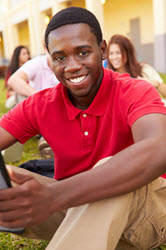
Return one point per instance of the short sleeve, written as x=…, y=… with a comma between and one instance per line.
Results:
x=139, y=98
x=21, y=121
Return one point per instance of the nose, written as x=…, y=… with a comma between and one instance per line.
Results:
x=113, y=56
x=73, y=64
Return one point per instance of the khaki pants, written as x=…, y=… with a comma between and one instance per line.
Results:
x=136, y=220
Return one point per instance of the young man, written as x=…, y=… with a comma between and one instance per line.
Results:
x=91, y=115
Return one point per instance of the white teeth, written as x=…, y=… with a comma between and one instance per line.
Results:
x=116, y=62
x=78, y=79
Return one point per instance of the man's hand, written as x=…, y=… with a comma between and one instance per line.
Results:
x=29, y=203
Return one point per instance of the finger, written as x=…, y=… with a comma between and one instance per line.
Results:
x=10, y=194
x=16, y=176
x=13, y=215
x=14, y=203
x=19, y=223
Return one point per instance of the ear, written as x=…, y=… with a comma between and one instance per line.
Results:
x=103, y=48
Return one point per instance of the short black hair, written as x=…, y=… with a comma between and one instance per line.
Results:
x=74, y=15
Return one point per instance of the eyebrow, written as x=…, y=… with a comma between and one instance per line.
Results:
x=57, y=52
x=77, y=48
x=83, y=46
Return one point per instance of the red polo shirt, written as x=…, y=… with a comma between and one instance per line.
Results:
x=81, y=138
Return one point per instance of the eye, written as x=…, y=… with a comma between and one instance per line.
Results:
x=83, y=53
x=59, y=58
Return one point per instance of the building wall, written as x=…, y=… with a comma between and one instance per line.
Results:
x=24, y=21
x=159, y=12
x=23, y=33
x=120, y=17
x=78, y=3
x=1, y=46
x=118, y=13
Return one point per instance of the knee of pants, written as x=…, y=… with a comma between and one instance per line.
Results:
x=150, y=231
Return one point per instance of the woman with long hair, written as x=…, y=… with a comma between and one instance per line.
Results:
x=20, y=56
x=121, y=57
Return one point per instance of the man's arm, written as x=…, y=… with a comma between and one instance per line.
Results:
x=126, y=171
x=6, y=139
x=18, y=82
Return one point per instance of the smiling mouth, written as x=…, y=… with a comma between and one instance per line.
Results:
x=116, y=62
x=77, y=80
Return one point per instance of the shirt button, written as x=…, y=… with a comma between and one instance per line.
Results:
x=86, y=133
x=84, y=115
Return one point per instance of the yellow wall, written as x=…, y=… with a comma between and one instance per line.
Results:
x=78, y=3
x=118, y=14
x=43, y=24
x=2, y=53
x=115, y=16
x=23, y=34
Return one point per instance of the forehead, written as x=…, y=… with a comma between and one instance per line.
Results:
x=114, y=46
x=71, y=35
x=23, y=50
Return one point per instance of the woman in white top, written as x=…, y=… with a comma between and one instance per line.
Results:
x=121, y=58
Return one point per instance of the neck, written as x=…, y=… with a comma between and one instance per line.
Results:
x=83, y=102
x=20, y=64
x=122, y=69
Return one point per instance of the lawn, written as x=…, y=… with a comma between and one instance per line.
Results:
x=30, y=151
x=163, y=76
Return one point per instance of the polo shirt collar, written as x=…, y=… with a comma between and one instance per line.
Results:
x=99, y=104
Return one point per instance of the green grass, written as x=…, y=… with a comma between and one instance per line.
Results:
x=30, y=151
x=163, y=76
x=12, y=242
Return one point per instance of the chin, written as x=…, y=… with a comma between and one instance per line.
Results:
x=116, y=67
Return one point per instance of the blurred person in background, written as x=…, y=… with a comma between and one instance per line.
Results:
x=38, y=71
x=121, y=57
x=20, y=56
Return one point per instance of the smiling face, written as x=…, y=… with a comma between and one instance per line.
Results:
x=24, y=56
x=77, y=61
x=116, y=58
